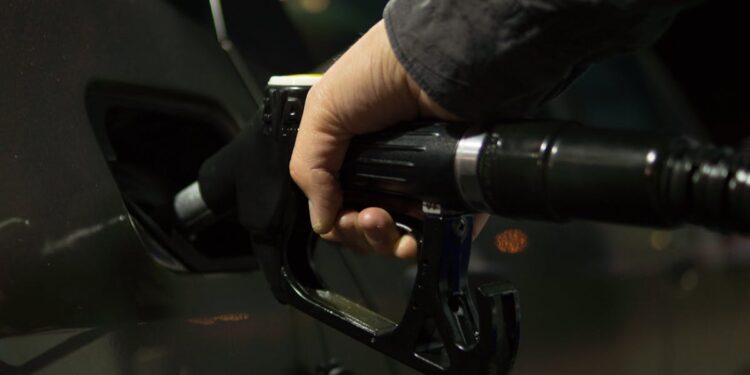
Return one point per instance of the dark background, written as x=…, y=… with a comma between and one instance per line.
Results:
x=81, y=291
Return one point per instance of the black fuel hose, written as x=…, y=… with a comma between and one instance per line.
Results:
x=547, y=170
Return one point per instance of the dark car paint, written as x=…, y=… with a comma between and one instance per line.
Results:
x=73, y=259
x=79, y=291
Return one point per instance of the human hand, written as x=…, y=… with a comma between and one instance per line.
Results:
x=364, y=91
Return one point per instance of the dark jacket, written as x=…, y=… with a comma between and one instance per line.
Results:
x=485, y=59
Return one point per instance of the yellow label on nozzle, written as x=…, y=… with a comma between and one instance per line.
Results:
x=295, y=80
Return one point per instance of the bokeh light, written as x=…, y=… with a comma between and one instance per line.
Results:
x=511, y=241
x=315, y=6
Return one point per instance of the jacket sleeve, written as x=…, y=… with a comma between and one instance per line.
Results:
x=485, y=59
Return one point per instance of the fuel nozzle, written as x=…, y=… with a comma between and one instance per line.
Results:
x=534, y=169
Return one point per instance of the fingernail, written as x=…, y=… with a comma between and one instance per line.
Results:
x=405, y=246
x=317, y=226
x=404, y=241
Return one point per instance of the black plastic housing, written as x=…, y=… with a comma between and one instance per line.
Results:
x=557, y=171
x=415, y=161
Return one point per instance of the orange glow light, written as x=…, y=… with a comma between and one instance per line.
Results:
x=220, y=318
x=511, y=241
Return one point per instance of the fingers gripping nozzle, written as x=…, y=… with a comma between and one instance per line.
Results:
x=449, y=327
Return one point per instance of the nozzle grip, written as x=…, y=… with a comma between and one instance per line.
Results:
x=414, y=161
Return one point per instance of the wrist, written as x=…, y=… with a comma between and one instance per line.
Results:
x=393, y=70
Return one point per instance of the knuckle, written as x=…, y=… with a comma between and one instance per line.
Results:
x=316, y=94
x=296, y=170
x=314, y=101
x=319, y=106
x=321, y=177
